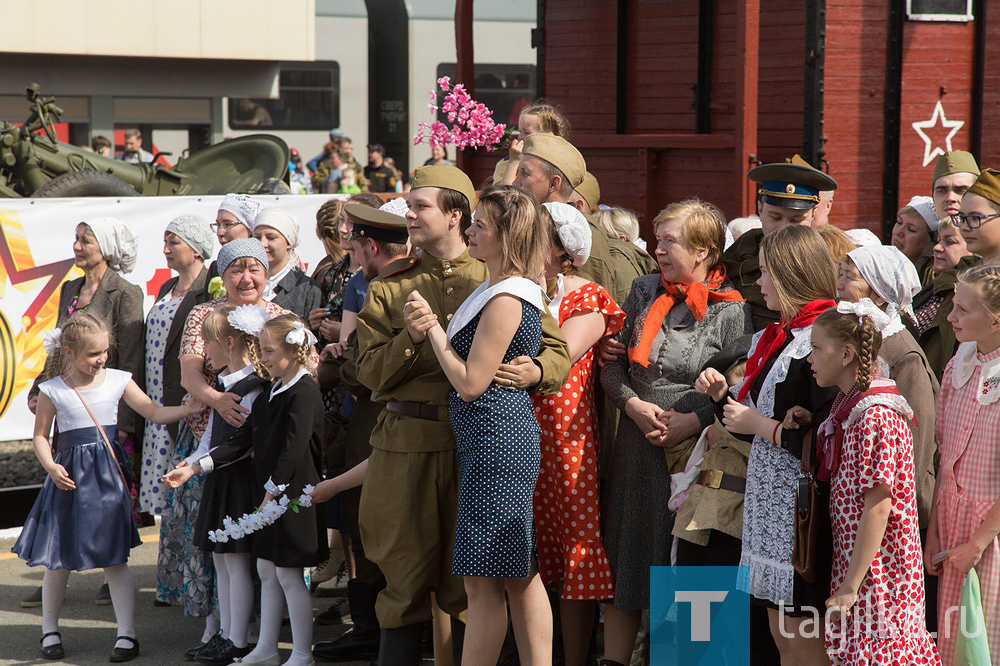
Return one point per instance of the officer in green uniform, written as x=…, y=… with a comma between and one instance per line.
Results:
x=410, y=496
x=379, y=238
x=788, y=194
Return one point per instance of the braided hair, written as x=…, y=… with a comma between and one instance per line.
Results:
x=216, y=328
x=279, y=327
x=860, y=332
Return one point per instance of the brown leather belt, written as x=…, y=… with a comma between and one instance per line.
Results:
x=714, y=478
x=417, y=410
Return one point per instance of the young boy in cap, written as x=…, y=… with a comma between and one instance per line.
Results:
x=379, y=238
x=410, y=497
x=954, y=174
x=788, y=194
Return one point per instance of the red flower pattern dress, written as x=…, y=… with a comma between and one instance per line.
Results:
x=886, y=626
x=567, y=510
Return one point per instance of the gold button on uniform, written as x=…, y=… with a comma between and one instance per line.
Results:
x=449, y=290
x=407, y=352
x=449, y=317
x=447, y=271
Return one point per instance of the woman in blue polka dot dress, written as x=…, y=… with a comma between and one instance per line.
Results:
x=496, y=434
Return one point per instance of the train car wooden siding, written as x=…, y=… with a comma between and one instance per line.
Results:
x=677, y=98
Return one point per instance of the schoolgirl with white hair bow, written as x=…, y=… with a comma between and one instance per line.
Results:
x=867, y=456
x=883, y=275
x=286, y=438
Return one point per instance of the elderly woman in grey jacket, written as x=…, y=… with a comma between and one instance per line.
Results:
x=675, y=322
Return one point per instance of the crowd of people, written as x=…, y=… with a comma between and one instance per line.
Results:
x=506, y=412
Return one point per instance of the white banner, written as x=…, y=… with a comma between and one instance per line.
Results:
x=36, y=257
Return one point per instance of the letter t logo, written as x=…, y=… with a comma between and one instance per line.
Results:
x=701, y=606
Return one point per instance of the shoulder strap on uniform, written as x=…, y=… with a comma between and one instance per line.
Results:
x=397, y=266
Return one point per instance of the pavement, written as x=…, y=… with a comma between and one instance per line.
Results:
x=88, y=630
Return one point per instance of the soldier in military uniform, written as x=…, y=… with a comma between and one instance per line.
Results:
x=788, y=194
x=379, y=238
x=410, y=496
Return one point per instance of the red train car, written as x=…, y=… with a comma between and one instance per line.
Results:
x=675, y=98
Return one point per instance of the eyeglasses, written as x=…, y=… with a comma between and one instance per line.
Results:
x=971, y=221
x=226, y=226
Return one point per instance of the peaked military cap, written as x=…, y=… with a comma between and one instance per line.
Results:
x=791, y=184
x=376, y=224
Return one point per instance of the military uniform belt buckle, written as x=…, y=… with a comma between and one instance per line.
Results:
x=711, y=478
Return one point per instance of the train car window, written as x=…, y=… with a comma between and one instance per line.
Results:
x=505, y=89
x=308, y=99
x=939, y=10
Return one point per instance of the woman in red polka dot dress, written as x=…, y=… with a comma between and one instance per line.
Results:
x=571, y=557
x=876, y=607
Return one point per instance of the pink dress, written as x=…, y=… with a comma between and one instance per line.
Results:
x=567, y=511
x=968, y=434
x=886, y=626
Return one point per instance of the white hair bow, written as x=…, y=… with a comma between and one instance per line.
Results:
x=866, y=308
x=52, y=340
x=300, y=335
x=249, y=318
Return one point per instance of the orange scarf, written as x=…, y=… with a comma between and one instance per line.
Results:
x=697, y=295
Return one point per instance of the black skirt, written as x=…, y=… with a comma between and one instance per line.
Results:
x=229, y=491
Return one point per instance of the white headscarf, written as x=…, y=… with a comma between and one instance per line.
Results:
x=118, y=244
x=573, y=230
x=925, y=207
x=283, y=221
x=862, y=237
x=892, y=276
x=243, y=206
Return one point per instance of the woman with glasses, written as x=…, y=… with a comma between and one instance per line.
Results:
x=978, y=223
x=233, y=220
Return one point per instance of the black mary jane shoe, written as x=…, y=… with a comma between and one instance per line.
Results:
x=54, y=651
x=119, y=655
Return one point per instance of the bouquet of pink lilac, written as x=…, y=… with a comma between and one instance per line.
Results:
x=473, y=124
x=261, y=518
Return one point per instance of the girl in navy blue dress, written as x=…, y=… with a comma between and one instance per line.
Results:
x=496, y=434
x=82, y=518
x=285, y=434
x=231, y=345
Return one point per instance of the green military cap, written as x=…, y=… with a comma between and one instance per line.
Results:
x=558, y=152
x=987, y=185
x=376, y=224
x=955, y=161
x=791, y=184
x=590, y=190
x=446, y=177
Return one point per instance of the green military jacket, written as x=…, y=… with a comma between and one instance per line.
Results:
x=628, y=261
x=743, y=269
x=395, y=368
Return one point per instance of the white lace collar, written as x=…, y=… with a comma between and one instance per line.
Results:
x=279, y=387
x=894, y=326
x=477, y=300
x=230, y=380
x=964, y=366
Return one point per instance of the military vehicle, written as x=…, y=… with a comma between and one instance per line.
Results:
x=34, y=163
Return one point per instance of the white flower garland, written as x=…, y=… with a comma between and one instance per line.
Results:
x=258, y=520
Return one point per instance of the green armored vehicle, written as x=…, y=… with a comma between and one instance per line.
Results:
x=33, y=163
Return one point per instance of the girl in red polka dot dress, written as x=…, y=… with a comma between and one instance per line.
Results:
x=876, y=608
x=571, y=557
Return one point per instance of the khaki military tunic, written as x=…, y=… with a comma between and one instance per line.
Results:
x=410, y=496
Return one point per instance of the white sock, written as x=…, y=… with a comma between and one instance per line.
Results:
x=211, y=627
x=272, y=606
x=240, y=596
x=122, y=590
x=222, y=592
x=300, y=614
x=53, y=593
